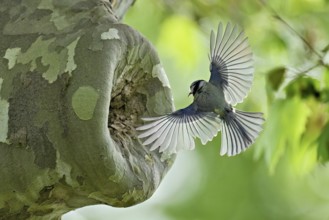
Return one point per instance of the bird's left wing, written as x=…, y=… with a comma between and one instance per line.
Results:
x=176, y=131
x=231, y=63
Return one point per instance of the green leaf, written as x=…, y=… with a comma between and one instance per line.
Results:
x=275, y=77
x=325, y=75
x=283, y=130
x=303, y=87
x=323, y=147
x=274, y=80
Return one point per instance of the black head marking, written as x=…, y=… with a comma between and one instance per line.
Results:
x=196, y=86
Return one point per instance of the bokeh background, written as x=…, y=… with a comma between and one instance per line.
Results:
x=285, y=174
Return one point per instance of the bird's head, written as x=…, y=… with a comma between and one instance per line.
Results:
x=196, y=87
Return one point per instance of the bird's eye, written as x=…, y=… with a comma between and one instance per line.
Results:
x=196, y=86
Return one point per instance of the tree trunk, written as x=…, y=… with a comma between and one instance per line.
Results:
x=74, y=83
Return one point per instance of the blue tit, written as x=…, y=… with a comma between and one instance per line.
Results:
x=231, y=75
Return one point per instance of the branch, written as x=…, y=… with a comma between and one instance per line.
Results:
x=73, y=85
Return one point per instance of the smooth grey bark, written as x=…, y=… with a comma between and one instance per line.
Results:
x=74, y=83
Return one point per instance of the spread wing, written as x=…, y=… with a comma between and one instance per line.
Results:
x=176, y=131
x=231, y=63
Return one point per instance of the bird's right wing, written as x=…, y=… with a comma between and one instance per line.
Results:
x=176, y=131
x=231, y=63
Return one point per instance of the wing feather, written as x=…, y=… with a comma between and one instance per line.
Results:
x=176, y=131
x=231, y=63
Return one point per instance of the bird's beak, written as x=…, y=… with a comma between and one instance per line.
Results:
x=189, y=94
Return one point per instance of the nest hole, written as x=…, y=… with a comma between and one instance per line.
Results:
x=126, y=107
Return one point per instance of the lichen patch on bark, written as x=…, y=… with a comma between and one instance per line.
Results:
x=112, y=33
x=159, y=72
x=55, y=58
x=71, y=65
x=11, y=56
x=4, y=106
x=84, y=101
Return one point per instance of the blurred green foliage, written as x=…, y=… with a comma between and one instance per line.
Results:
x=285, y=174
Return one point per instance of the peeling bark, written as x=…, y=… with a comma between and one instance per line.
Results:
x=74, y=83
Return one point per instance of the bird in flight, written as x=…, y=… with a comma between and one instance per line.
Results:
x=231, y=75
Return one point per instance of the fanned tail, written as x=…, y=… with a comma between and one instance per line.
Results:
x=239, y=131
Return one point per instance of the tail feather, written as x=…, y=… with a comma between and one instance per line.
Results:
x=239, y=131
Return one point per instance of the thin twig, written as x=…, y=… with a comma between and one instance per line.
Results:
x=304, y=72
x=278, y=17
x=300, y=36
